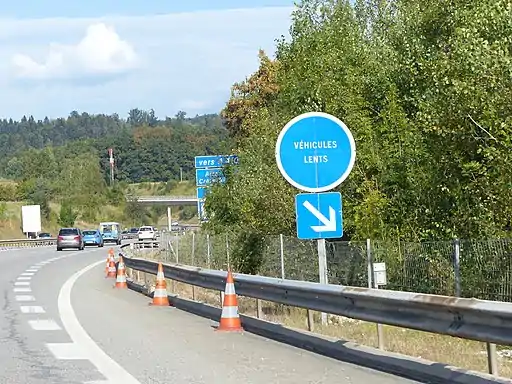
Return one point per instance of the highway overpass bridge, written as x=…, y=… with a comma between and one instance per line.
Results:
x=169, y=201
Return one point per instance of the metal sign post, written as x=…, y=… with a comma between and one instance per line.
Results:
x=315, y=152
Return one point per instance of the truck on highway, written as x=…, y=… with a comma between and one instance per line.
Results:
x=111, y=232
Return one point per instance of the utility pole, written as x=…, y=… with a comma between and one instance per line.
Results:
x=111, y=161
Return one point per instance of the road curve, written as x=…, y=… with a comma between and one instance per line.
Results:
x=76, y=328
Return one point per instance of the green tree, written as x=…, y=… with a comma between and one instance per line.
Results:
x=67, y=215
x=423, y=86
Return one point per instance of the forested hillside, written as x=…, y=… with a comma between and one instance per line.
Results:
x=64, y=162
x=424, y=86
x=146, y=149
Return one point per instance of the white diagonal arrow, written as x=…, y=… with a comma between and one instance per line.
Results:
x=329, y=224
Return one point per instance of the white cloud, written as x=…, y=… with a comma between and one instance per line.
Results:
x=101, y=51
x=184, y=61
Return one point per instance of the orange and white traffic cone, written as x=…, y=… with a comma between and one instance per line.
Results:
x=111, y=268
x=110, y=258
x=230, y=320
x=121, y=275
x=160, y=297
x=107, y=265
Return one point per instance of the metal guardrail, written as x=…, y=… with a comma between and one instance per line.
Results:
x=473, y=319
x=143, y=244
x=26, y=243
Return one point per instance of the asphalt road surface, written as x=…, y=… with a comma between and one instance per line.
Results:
x=63, y=322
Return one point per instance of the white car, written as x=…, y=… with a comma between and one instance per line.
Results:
x=147, y=233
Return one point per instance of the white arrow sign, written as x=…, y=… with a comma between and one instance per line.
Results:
x=329, y=224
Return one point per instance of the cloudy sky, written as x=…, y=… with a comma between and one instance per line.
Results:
x=105, y=56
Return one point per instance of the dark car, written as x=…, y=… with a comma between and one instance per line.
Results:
x=70, y=238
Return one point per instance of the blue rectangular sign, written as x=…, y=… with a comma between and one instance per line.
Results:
x=201, y=211
x=201, y=193
x=215, y=161
x=206, y=177
x=319, y=215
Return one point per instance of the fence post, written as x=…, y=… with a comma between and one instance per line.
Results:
x=227, y=251
x=369, y=263
x=193, y=249
x=492, y=362
x=177, y=249
x=322, y=270
x=208, y=251
x=373, y=284
x=193, y=262
x=456, y=266
x=282, y=255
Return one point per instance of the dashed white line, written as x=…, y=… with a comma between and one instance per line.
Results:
x=32, y=309
x=22, y=289
x=66, y=351
x=25, y=298
x=112, y=371
x=44, y=325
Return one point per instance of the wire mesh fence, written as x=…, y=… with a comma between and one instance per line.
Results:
x=465, y=268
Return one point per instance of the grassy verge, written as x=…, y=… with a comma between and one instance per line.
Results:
x=448, y=350
x=11, y=227
x=10, y=224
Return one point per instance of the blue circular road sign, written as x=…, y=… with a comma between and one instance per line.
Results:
x=315, y=152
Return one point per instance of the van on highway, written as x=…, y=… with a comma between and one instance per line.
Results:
x=111, y=232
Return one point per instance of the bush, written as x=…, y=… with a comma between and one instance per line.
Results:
x=248, y=253
x=67, y=216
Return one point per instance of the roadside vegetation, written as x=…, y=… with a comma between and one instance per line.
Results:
x=425, y=89
x=62, y=165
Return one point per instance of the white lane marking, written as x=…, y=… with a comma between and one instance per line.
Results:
x=23, y=289
x=25, y=298
x=44, y=325
x=98, y=382
x=22, y=283
x=32, y=309
x=32, y=269
x=66, y=351
x=24, y=278
x=27, y=274
x=112, y=371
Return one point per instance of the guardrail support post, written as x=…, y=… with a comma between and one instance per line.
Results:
x=311, y=321
x=492, y=361
x=259, y=309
